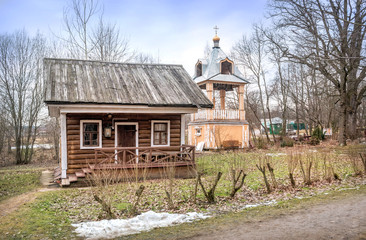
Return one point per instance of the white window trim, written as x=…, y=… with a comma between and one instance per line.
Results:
x=152, y=132
x=82, y=133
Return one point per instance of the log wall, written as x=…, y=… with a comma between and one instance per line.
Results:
x=81, y=158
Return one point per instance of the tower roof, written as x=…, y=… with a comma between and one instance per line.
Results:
x=211, y=67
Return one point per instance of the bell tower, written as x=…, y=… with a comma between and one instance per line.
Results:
x=224, y=126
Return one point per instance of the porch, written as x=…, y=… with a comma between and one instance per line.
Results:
x=149, y=160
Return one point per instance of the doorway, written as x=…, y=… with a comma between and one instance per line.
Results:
x=126, y=136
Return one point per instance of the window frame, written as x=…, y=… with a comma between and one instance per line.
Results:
x=82, y=134
x=152, y=132
x=232, y=66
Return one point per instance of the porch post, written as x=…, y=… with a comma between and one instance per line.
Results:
x=222, y=99
x=182, y=129
x=209, y=89
x=241, y=102
x=63, y=145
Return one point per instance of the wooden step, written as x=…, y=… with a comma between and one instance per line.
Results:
x=87, y=170
x=72, y=178
x=65, y=182
x=56, y=175
x=80, y=174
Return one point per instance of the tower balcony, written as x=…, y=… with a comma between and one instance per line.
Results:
x=218, y=114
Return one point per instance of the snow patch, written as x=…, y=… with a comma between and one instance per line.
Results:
x=268, y=203
x=147, y=221
x=275, y=154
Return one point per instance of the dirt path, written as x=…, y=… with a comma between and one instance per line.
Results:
x=10, y=205
x=339, y=219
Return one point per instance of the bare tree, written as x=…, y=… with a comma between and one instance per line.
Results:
x=3, y=129
x=88, y=36
x=328, y=37
x=21, y=87
x=252, y=54
x=144, y=58
x=78, y=17
x=108, y=44
x=282, y=81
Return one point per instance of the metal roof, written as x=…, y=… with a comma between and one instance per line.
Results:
x=211, y=69
x=69, y=81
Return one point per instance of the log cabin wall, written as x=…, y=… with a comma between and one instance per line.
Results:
x=81, y=158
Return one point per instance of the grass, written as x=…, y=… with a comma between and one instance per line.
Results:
x=38, y=220
x=51, y=214
x=15, y=181
x=43, y=220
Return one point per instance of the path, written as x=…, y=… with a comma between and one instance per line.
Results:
x=10, y=205
x=339, y=219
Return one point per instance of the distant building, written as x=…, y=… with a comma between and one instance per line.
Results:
x=220, y=127
x=276, y=127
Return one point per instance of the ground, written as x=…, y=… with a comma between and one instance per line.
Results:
x=332, y=206
x=10, y=205
x=342, y=219
x=338, y=215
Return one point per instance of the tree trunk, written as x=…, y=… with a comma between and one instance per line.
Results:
x=352, y=125
x=342, y=121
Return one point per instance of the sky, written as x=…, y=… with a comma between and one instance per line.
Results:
x=175, y=32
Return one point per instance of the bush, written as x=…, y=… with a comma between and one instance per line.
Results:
x=287, y=142
x=314, y=141
x=260, y=143
x=318, y=133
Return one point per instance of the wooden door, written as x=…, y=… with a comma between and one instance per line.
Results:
x=126, y=137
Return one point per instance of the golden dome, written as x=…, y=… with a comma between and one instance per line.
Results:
x=216, y=38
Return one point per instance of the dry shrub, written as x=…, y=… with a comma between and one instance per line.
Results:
x=236, y=167
x=107, y=183
x=261, y=165
x=210, y=194
x=292, y=162
x=306, y=163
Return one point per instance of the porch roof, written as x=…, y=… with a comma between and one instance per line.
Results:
x=70, y=81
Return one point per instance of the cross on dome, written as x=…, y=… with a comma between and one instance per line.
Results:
x=216, y=28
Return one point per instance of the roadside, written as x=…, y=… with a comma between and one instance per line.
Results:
x=338, y=215
x=342, y=219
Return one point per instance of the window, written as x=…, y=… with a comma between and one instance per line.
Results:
x=226, y=67
x=160, y=133
x=198, y=131
x=199, y=69
x=90, y=134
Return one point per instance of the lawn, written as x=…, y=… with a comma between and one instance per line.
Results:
x=51, y=214
x=17, y=180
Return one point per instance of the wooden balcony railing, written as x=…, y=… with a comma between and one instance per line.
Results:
x=218, y=114
x=141, y=157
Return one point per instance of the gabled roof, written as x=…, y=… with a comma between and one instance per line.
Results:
x=211, y=69
x=70, y=81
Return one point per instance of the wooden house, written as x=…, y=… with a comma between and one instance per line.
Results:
x=224, y=126
x=120, y=115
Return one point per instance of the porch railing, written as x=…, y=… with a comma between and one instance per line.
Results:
x=126, y=157
x=217, y=114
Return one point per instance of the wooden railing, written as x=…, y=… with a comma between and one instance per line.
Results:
x=217, y=114
x=225, y=114
x=126, y=157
